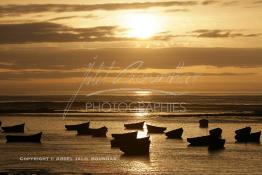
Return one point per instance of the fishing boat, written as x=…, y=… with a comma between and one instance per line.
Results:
x=216, y=133
x=199, y=141
x=125, y=135
x=138, y=125
x=216, y=143
x=243, y=131
x=245, y=138
x=122, y=138
x=175, y=134
x=138, y=146
x=212, y=142
x=255, y=137
x=155, y=129
x=74, y=127
x=14, y=128
x=203, y=123
x=95, y=132
x=242, y=138
x=24, y=138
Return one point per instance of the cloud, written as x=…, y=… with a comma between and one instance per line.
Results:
x=164, y=58
x=229, y=3
x=52, y=32
x=25, y=74
x=206, y=33
x=209, y=2
x=8, y=10
x=177, y=10
x=71, y=17
x=258, y=2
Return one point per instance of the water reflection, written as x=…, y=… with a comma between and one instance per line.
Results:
x=137, y=164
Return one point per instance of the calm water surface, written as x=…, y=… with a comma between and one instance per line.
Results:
x=166, y=156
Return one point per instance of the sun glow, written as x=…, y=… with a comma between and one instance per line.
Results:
x=142, y=26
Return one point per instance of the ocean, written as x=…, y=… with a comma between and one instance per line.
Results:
x=62, y=152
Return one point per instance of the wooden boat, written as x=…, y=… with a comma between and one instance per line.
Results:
x=155, y=129
x=125, y=135
x=243, y=131
x=14, y=128
x=175, y=134
x=95, y=132
x=136, y=147
x=203, y=123
x=216, y=143
x=242, y=138
x=74, y=127
x=139, y=125
x=213, y=143
x=24, y=138
x=255, y=137
x=122, y=138
x=216, y=133
x=245, y=138
x=199, y=141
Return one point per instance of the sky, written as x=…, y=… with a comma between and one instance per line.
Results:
x=52, y=46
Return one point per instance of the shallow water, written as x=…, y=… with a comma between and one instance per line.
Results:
x=166, y=156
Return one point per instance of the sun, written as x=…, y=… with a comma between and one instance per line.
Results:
x=142, y=26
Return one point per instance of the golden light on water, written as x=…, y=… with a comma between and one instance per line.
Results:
x=141, y=25
x=141, y=114
x=143, y=93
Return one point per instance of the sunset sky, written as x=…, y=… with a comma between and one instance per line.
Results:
x=209, y=45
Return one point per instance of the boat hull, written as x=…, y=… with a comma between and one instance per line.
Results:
x=199, y=141
x=245, y=138
x=139, y=126
x=203, y=123
x=122, y=138
x=175, y=134
x=243, y=131
x=14, y=129
x=35, y=138
x=136, y=147
x=75, y=127
x=95, y=132
x=155, y=129
x=216, y=133
x=216, y=144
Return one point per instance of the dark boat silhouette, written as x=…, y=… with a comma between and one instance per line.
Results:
x=242, y=138
x=203, y=123
x=155, y=129
x=125, y=135
x=243, y=131
x=255, y=137
x=138, y=125
x=213, y=140
x=74, y=127
x=14, y=128
x=199, y=141
x=216, y=143
x=95, y=132
x=122, y=138
x=24, y=138
x=138, y=146
x=216, y=133
x=175, y=134
x=213, y=143
x=248, y=137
